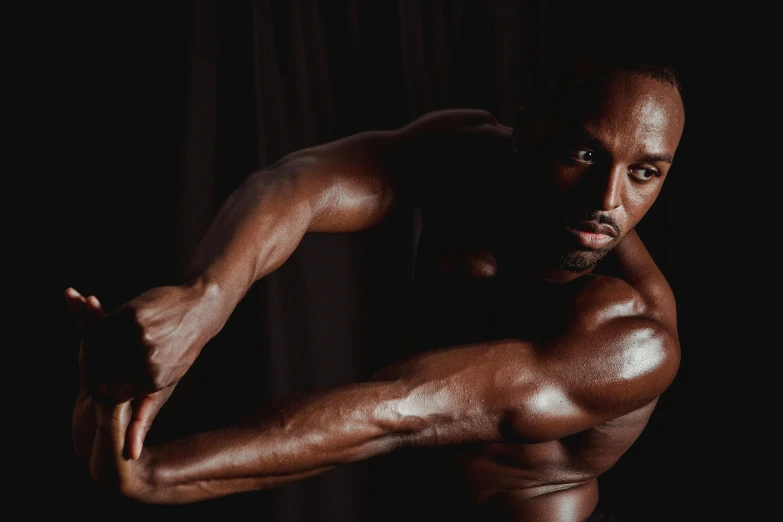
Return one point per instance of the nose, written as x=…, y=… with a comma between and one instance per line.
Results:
x=608, y=187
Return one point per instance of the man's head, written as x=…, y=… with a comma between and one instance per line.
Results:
x=596, y=146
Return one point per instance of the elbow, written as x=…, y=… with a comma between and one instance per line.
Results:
x=116, y=486
x=133, y=480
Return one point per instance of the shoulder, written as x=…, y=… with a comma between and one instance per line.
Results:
x=443, y=153
x=459, y=130
x=632, y=263
x=629, y=353
x=451, y=121
x=597, y=299
x=608, y=359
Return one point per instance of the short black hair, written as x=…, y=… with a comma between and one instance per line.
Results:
x=611, y=36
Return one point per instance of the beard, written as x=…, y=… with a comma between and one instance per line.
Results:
x=559, y=251
x=577, y=258
x=580, y=260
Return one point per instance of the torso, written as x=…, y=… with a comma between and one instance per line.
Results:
x=464, y=296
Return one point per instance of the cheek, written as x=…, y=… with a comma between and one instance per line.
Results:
x=562, y=178
x=638, y=202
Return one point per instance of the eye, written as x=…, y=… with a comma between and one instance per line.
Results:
x=582, y=155
x=644, y=174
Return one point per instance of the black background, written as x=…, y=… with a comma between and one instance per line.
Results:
x=138, y=118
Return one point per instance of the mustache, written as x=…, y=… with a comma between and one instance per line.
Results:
x=594, y=216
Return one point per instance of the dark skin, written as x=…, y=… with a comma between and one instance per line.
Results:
x=544, y=335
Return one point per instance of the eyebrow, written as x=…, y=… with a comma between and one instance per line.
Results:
x=653, y=158
x=585, y=136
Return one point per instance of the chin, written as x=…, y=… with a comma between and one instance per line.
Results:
x=580, y=260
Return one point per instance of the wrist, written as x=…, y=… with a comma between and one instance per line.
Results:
x=213, y=301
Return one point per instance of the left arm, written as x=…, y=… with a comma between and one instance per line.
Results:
x=443, y=398
x=503, y=391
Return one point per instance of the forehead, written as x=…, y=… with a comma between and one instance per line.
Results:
x=626, y=109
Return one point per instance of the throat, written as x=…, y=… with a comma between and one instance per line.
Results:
x=517, y=264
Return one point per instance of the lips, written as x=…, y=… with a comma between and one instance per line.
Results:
x=594, y=227
x=592, y=235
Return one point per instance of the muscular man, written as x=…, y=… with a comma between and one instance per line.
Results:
x=542, y=337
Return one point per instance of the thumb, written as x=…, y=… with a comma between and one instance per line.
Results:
x=144, y=411
x=110, y=421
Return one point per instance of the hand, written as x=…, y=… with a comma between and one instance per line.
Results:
x=140, y=351
x=99, y=430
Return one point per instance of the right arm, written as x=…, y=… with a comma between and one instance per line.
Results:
x=143, y=348
x=343, y=186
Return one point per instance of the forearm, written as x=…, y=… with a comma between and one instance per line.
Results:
x=494, y=392
x=336, y=187
x=452, y=396
x=296, y=439
x=254, y=232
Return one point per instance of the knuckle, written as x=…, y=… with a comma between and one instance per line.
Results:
x=136, y=314
x=147, y=337
x=134, y=321
x=159, y=381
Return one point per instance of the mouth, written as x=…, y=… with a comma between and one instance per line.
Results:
x=592, y=234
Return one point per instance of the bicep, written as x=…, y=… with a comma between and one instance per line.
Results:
x=589, y=377
x=353, y=179
x=453, y=395
x=360, y=178
x=519, y=391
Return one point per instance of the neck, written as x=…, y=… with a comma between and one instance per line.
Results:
x=531, y=260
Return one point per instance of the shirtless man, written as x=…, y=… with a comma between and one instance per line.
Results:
x=543, y=336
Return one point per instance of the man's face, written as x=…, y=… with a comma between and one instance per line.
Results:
x=602, y=162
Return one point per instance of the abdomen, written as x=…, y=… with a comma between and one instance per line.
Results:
x=556, y=477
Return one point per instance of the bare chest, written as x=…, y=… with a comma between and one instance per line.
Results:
x=462, y=297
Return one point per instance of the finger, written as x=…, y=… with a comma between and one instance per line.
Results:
x=94, y=307
x=76, y=302
x=72, y=293
x=144, y=411
x=85, y=309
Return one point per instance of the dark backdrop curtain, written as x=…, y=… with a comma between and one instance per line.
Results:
x=161, y=109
